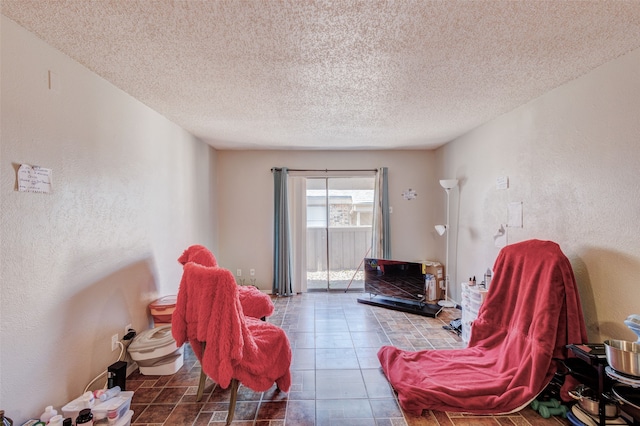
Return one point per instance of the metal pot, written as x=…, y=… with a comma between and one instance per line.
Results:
x=623, y=356
x=629, y=397
x=590, y=403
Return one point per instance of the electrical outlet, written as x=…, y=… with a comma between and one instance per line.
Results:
x=114, y=342
x=239, y=272
x=127, y=328
x=252, y=272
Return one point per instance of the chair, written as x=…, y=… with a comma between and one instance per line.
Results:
x=232, y=347
x=531, y=313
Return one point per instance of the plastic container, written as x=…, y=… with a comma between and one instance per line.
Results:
x=162, y=309
x=87, y=399
x=121, y=403
x=110, y=393
x=55, y=420
x=5, y=421
x=49, y=412
x=85, y=417
x=156, y=353
x=164, y=366
x=124, y=420
x=153, y=344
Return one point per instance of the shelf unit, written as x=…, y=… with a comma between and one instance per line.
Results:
x=472, y=298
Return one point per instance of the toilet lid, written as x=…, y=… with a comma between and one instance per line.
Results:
x=152, y=338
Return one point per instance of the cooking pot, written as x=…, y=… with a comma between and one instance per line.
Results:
x=623, y=356
x=629, y=397
x=590, y=403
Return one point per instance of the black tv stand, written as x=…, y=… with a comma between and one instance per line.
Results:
x=403, y=305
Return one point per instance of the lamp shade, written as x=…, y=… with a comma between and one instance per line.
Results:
x=448, y=183
x=441, y=229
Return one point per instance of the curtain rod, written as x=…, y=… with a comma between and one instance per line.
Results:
x=325, y=170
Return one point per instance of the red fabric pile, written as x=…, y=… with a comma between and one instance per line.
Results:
x=532, y=311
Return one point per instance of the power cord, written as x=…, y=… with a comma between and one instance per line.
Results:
x=127, y=338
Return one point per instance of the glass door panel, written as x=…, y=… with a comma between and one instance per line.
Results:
x=349, y=230
x=339, y=220
x=317, y=268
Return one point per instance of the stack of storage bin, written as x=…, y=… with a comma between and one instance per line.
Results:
x=162, y=310
x=156, y=352
x=472, y=299
x=117, y=408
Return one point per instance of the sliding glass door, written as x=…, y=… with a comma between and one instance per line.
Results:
x=339, y=222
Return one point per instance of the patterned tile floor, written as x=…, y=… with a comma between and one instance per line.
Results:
x=337, y=379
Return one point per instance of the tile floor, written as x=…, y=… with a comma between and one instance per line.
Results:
x=337, y=378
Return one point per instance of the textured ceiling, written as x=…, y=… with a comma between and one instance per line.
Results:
x=298, y=74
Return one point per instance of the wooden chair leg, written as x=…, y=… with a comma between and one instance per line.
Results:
x=203, y=378
x=232, y=401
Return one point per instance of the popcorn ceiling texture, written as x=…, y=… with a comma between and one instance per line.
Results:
x=368, y=74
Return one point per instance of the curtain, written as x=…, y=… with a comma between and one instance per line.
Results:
x=381, y=242
x=282, y=236
x=298, y=226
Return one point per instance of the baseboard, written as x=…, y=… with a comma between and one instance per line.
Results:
x=132, y=367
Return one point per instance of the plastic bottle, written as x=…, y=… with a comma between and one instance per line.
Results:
x=55, y=420
x=87, y=399
x=487, y=278
x=49, y=412
x=85, y=418
x=110, y=393
x=112, y=416
x=5, y=421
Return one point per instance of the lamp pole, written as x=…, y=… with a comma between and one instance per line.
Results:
x=447, y=184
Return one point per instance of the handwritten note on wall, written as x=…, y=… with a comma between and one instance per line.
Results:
x=34, y=179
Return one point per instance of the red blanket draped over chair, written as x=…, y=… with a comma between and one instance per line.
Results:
x=208, y=309
x=532, y=311
x=255, y=303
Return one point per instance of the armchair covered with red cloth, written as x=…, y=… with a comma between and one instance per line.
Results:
x=229, y=344
x=532, y=311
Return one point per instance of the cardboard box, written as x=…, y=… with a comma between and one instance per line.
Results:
x=437, y=270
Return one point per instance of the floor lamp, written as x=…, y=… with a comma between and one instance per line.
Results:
x=447, y=184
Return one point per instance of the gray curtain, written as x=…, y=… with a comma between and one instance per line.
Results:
x=381, y=242
x=282, y=236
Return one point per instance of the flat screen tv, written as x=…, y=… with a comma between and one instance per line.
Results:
x=398, y=285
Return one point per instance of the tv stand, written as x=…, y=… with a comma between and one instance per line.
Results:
x=403, y=305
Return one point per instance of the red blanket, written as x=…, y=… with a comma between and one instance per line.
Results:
x=532, y=311
x=255, y=303
x=208, y=309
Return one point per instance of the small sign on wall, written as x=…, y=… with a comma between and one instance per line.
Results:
x=409, y=194
x=34, y=179
x=515, y=214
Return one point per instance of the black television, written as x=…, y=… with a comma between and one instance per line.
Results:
x=398, y=285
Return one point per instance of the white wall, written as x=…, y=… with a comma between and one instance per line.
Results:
x=131, y=191
x=245, y=183
x=572, y=157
